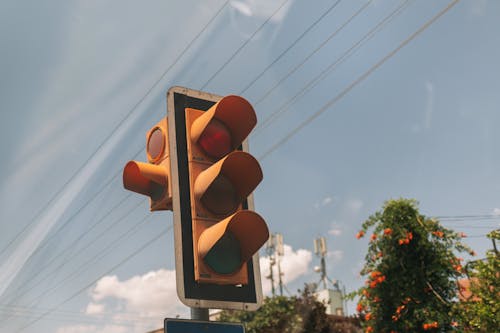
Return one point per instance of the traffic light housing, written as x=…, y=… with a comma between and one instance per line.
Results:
x=199, y=167
x=213, y=177
x=153, y=178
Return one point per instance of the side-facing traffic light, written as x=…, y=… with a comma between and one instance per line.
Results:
x=225, y=236
x=152, y=179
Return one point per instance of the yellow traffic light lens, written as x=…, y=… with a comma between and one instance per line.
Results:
x=225, y=256
x=215, y=139
x=221, y=198
x=156, y=145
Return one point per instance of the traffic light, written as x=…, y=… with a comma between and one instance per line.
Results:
x=152, y=179
x=225, y=236
x=213, y=177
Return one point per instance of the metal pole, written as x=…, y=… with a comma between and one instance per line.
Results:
x=280, y=281
x=199, y=314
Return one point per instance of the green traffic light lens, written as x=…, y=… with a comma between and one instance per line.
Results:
x=225, y=256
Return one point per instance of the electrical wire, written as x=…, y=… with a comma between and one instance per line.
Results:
x=123, y=261
x=25, y=288
x=112, y=132
x=82, y=268
x=360, y=79
x=302, y=35
x=331, y=67
x=242, y=46
x=319, y=47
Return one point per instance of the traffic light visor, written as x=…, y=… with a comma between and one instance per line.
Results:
x=223, y=186
x=145, y=178
x=236, y=115
x=227, y=245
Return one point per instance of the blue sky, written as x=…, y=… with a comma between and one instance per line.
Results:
x=344, y=124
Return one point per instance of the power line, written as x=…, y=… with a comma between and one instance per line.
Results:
x=243, y=45
x=319, y=47
x=104, y=252
x=330, y=68
x=357, y=81
x=21, y=292
x=319, y=19
x=81, y=317
x=113, y=131
x=468, y=217
x=79, y=270
x=130, y=256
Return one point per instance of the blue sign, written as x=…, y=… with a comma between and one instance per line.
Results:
x=195, y=326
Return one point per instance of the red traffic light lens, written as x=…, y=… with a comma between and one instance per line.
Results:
x=221, y=197
x=156, y=145
x=216, y=139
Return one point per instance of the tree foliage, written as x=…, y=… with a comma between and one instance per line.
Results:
x=481, y=313
x=297, y=314
x=411, y=272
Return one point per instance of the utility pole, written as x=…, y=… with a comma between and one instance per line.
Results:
x=320, y=251
x=279, y=253
x=275, y=250
x=333, y=297
x=270, y=252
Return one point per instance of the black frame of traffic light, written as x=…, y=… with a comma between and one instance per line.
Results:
x=191, y=293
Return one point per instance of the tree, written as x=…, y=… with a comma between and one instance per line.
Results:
x=481, y=312
x=282, y=314
x=411, y=271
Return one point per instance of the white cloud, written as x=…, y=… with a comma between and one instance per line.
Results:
x=293, y=265
x=335, y=256
x=138, y=304
x=93, y=329
x=262, y=9
x=335, y=230
x=324, y=202
x=149, y=295
x=94, y=308
x=354, y=206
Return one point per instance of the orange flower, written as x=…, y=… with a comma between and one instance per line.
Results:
x=387, y=231
x=439, y=234
x=463, y=235
x=409, y=235
x=429, y=326
x=368, y=316
x=454, y=324
x=360, y=234
x=380, y=255
x=458, y=268
x=375, y=274
x=373, y=237
x=360, y=307
x=369, y=329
